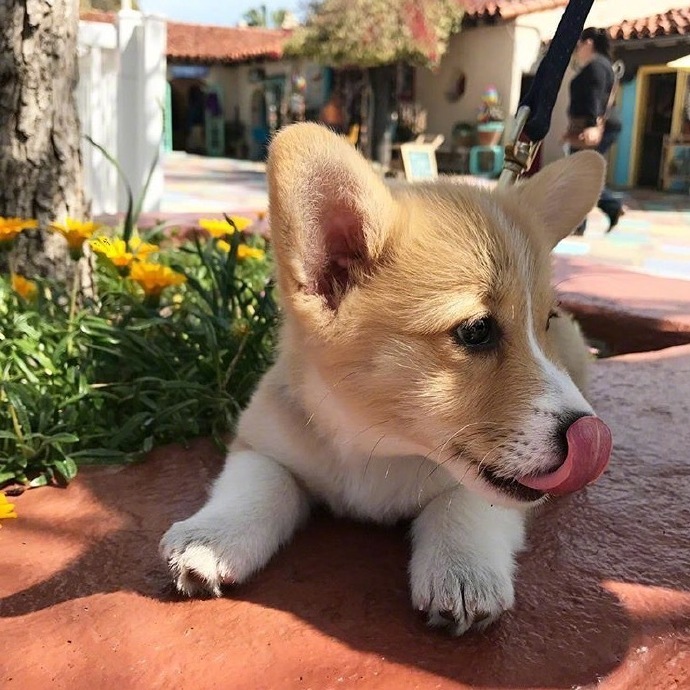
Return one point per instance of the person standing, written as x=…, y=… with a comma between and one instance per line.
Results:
x=333, y=113
x=590, y=92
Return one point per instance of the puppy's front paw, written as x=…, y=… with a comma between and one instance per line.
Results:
x=254, y=508
x=200, y=559
x=461, y=594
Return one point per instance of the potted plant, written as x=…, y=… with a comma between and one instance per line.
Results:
x=490, y=119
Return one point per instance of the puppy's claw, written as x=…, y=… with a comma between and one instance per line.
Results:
x=458, y=600
x=198, y=569
x=457, y=626
x=191, y=583
x=447, y=615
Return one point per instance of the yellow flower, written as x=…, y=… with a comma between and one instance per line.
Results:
x=6, y=508
x=219, y=228
x=11, y=227
x=154, y=278
x=118, y=253
x=76, y=232
x=244, y=251
x=27, y=289
x=113, y=250
x=141, y=248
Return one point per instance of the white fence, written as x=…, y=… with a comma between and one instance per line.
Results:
x=120, y=96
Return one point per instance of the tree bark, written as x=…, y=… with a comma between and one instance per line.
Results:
x=40, y=158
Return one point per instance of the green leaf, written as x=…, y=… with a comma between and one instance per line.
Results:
x=128, y=224
x=41, y=480
x=67, y=468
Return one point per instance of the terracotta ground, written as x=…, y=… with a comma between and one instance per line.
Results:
x=603, y=595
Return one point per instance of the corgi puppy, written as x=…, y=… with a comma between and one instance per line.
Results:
x=424, y=372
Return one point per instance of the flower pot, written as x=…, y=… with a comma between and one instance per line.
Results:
x=489, y=133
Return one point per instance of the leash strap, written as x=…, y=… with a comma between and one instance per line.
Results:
x=533, y=118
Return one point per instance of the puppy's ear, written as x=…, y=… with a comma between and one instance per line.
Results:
x=330, y=215
x=564, y=192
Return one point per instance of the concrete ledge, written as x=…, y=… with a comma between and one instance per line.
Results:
x=603, y=594
x=626, y=310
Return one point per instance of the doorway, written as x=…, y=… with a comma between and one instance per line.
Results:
x=656, y=123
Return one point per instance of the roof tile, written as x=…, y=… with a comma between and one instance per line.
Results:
x=199, y=43
x=671, y=23
x=507, y=9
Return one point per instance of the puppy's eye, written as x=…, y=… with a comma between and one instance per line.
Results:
x=553, y=314
x=477, y=334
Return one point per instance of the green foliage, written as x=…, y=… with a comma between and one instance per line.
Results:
x=278, y=17
x=371, y=33
x=255, y=16
x=108, y=381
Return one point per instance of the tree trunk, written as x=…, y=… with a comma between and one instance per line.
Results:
x=40, y=159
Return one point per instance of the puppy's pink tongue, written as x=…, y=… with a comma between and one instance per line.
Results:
x=589, y=449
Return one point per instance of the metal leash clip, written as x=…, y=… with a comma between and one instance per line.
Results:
x=518, y=154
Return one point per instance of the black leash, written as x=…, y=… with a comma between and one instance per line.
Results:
x=533, y=118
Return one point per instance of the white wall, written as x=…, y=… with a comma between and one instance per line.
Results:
x=227, y=78
x=486, y=56
x=121, y=90
x=140, y=102
x=96, y=91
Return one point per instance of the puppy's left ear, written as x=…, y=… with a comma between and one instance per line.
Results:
x=564, y=192
x=330, y=217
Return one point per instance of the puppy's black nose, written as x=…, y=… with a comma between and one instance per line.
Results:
x=565, y=421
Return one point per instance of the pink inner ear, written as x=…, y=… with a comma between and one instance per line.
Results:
x=335, y=252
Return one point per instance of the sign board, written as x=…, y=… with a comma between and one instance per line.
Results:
x=419, y=159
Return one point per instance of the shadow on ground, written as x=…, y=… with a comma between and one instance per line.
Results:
x=604, y=589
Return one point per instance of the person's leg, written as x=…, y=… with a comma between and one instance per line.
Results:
x=608, y=203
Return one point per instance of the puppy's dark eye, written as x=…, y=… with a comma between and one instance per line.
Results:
x=553, y=314
x=477, y=334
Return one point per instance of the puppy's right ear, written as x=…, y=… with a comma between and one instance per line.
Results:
x=562, y=193
x=330, y=215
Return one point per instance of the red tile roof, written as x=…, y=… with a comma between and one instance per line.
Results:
x=219, y=44
x=212, y=44
x=97, y=16
x=506, y=9
x=671, y=23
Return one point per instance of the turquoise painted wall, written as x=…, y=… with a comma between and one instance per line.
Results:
x=621, y=166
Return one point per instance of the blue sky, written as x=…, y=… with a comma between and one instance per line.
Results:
x=220, y=12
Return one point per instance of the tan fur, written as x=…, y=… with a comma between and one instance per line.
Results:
x=374, y=405
x=440, y=254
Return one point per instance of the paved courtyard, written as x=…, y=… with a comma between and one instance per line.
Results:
x=653, y=236
x=196, y=184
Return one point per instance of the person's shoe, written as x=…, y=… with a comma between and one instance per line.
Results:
x=614, y=215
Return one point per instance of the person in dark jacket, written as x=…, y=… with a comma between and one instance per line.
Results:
x=589, y=96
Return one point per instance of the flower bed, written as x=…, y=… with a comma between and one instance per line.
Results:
x=169, y=346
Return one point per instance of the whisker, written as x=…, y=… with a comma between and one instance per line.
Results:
x=328, y=392
x=489, y=452
x=371, y=455
x=368, y=428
